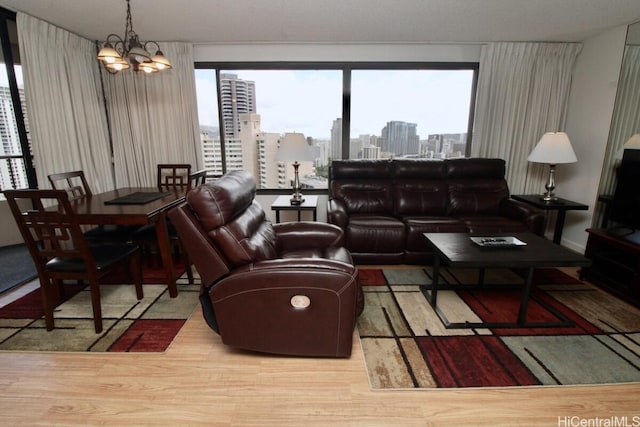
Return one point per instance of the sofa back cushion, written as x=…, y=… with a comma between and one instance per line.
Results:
x=364, y=186
x=427, y=198
x=418, y=169
x=365, y=197
x=419, y=187
x=476, y=186
x=232, y=218
x=471, y=168
x=476, y=196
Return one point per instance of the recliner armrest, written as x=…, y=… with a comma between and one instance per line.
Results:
x=294, y=236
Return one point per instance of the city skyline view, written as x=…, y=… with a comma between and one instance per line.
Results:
x=308, y=101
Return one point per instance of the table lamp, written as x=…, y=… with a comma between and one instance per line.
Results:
x=553, y=148
x=294, y=148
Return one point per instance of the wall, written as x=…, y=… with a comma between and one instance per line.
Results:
x=319, y=52
x=591, y=101
x=9, y=233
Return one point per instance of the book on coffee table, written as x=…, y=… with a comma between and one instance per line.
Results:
x=501, y=241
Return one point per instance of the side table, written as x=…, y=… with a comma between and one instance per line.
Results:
x=560, y=205
x=282, y=203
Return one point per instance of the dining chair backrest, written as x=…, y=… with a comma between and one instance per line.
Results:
x=48, y=233
x=74, y=183
x=174, y=176
x=198, y=178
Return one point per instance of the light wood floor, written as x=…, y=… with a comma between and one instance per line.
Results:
x=198, y=381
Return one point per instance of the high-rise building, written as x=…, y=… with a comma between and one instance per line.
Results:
x=336, y=140
x=13, y=173
x=237, y=97
x=400, y=138
x=447, y=145
x=270, y=176
x=211, y=153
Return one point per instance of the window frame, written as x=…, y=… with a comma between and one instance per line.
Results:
x=346, y=68
x=27, y=157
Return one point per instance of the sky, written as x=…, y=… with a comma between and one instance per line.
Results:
x=4, y=81
x=308, y=101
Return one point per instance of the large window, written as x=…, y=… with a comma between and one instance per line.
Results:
x=371, y=111
x=16, y=168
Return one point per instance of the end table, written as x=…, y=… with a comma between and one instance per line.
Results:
x=560, y=205
x=283, y=203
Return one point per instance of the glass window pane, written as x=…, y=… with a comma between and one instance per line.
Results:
x=259, y=106
x=208, y=117
x=13, y=173
x=410, y=113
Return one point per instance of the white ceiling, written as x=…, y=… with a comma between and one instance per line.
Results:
x=337, y=21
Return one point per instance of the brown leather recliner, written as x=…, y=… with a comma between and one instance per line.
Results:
x=287, y=288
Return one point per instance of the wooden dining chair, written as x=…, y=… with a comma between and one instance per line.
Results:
x=169, y=177
x=172, y=176
x=76, y=185
x=197, y=178
x=61, y=252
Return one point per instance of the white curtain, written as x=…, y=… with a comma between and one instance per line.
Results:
x=153, y=118
x=65, y=106
x=523, y=91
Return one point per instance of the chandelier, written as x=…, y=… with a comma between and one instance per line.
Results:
x=129, y=52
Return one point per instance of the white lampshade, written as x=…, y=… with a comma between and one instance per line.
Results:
x=553, y=148
x=294, y=147
x=633, y=143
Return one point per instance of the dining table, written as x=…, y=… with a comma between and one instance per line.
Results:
x=135, y=206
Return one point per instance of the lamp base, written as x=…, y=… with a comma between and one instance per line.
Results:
x=296, y=199
x=549, y=196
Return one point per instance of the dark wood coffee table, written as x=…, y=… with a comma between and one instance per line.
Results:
x=457, y=250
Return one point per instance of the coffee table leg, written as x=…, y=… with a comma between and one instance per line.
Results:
x=436, y=277
x=524, y=301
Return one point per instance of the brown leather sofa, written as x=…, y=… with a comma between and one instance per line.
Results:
x=287, y=288
x=384, y=206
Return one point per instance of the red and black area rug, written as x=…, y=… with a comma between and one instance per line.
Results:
x=406, y=345
x=129, y=324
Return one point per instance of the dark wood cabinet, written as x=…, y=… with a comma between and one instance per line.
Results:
x=615, y=262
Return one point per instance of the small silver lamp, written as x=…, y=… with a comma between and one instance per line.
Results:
x=553, y=148
x=294, y=148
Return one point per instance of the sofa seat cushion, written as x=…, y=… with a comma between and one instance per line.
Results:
x=491, y=224
x=417, y=225
x=375, y=233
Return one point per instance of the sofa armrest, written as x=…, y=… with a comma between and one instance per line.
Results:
x=531, y=216
x=337, y=213
x=294, y=236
